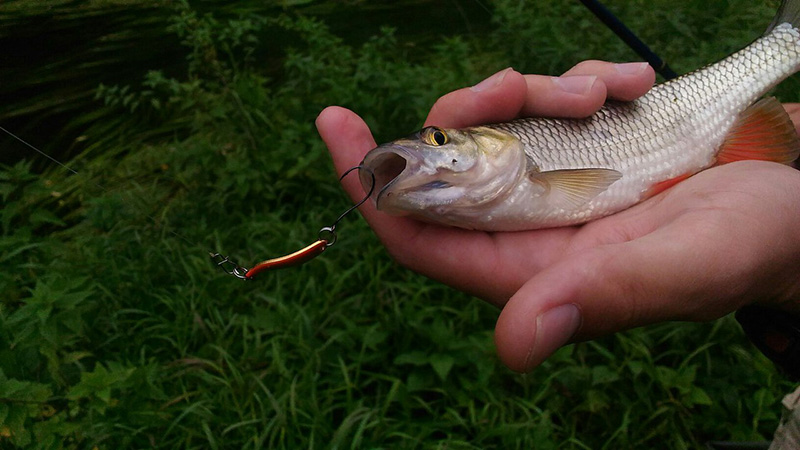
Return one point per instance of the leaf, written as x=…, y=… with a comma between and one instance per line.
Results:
x=603, y=375
x=4, y=409
x=74, y=357
x=99, y=382
x=374, y=336
x=667, y=377
x=697, y=396
x=15, y=421
x=23, y=391
x=442, y=364
x=596, y=400
x=40, y=217
x=416, y=358
x=417, y=381
x=636, y=367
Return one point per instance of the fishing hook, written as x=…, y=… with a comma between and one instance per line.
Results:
x=326, y=237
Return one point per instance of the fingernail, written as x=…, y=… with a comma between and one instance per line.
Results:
x=490, y=82
x=576, y=84
x=554, y=328
x=634, y=68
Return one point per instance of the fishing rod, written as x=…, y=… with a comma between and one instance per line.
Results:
x=630, y=39
x=623, y=32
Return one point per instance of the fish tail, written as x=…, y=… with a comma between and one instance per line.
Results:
x=763, y=132
x=788, y=12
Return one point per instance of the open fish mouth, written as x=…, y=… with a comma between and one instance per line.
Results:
x=398, y=170
x=388, y=164
x=386, y=167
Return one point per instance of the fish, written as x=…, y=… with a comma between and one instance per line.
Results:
x=536, y=173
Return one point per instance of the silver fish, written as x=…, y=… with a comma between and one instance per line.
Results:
x=538, y=172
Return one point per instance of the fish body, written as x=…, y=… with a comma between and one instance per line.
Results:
x=538, y=172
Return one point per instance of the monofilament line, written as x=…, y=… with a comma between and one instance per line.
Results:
x=101, y=187
x=39, y=151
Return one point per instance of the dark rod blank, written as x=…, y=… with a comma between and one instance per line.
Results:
x=619, y=28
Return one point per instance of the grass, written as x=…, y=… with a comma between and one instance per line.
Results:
x=116, y=331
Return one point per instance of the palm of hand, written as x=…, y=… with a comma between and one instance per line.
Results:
x=697, y=251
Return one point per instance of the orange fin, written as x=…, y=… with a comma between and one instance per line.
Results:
x=763, y=132
x=664, y=185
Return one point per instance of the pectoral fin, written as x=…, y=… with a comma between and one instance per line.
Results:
x=570, y=188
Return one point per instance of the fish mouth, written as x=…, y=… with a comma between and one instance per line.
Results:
x=397, y=169
x=382, y=168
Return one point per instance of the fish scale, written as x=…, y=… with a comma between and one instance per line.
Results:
x=540, y=172
x=675, y=128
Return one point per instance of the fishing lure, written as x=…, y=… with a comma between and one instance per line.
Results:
x=326, y=238
x=327, y=235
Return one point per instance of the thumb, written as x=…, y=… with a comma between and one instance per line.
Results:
x=608, y=289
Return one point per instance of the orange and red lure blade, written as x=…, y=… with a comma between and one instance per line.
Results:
x=327, y=237
x=293, y=259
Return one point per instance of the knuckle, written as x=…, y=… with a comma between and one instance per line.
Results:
x=588, y=66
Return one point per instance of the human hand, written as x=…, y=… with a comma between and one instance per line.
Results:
x=722, y=239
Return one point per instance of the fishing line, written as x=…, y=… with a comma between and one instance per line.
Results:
x=326, y=235
x=97, y=185
x=482, y=5
x=40, y=152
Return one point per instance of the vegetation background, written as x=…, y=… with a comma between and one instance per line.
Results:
x=190, y=126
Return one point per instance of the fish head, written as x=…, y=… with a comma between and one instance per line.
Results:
x=436, y=171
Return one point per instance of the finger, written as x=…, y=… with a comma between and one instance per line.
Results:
x=601, y=291
x=565, y=96
x=495, y=99
x=434, y=251
x=506, y=95
x=624, y=81
x=793, y=109
x=582, y=90
x=348, y=138
x=686, y=269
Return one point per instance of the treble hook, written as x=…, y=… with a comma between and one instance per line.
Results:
x=326, y=237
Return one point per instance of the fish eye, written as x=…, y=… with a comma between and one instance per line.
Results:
x=435, y=136
x=439, y=137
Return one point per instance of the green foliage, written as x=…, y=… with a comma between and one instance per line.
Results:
x=116, y=332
